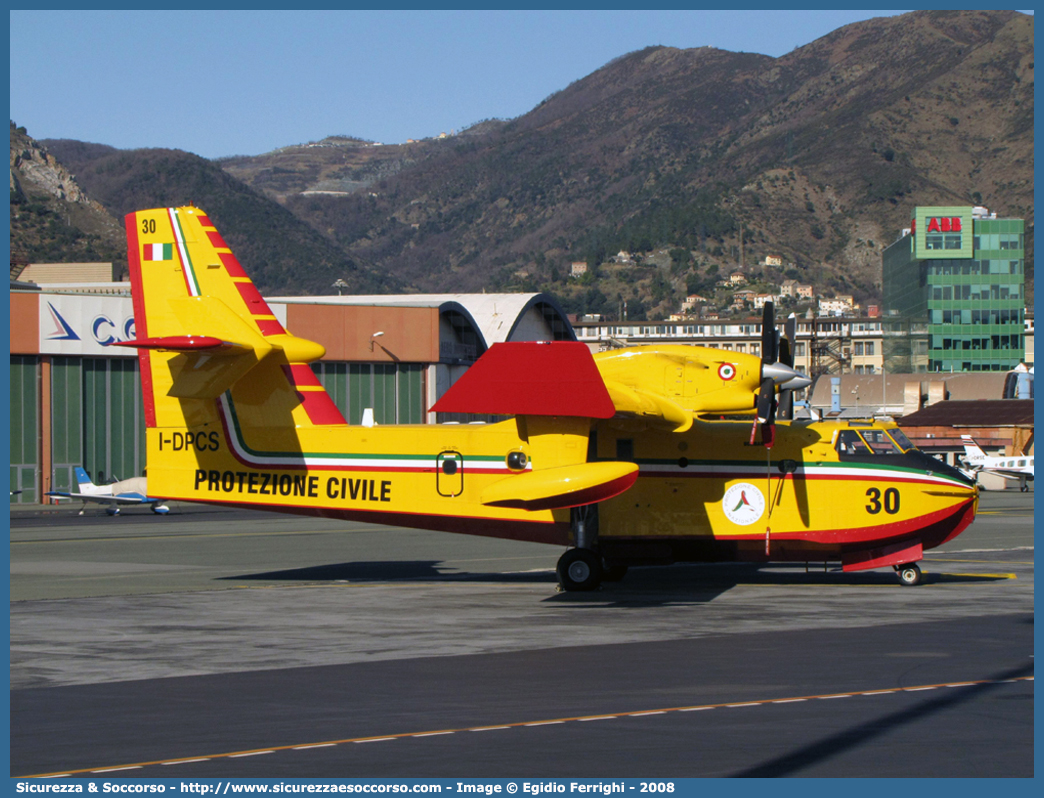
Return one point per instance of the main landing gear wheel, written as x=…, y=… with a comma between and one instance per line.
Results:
x=909, y=575
x=580, y=569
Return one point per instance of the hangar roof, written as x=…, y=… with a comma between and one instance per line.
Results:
x=499, y=317
x=982, y=413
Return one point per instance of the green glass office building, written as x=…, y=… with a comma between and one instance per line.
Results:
x=954, y=297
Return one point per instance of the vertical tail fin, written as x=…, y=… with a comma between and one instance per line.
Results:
x=973, y=452
x=82, y=480
x=203, y=329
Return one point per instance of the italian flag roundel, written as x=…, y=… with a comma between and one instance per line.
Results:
x=158, y=252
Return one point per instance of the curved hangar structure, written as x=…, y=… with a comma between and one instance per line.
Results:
x=471, y=323
x=468, y=325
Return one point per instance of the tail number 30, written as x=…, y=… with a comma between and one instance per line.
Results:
x=890, y=503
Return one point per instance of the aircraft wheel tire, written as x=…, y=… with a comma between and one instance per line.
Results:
x=909, y=575
x=580, y=569
x=613, y=573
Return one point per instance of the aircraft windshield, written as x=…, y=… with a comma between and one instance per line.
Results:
x=901, y=439
x=879, y=442
x=867, y=441
x=849, y=442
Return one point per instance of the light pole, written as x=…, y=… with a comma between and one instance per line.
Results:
x=340, y=284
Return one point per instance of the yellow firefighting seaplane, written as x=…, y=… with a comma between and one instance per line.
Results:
x=632, y=456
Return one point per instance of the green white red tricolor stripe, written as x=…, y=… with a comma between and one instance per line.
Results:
x=152, y=252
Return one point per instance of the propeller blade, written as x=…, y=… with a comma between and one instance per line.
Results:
x=766, y=405
x=766, y=413
x=769, y=336
x=786, y=357
x=790, y=335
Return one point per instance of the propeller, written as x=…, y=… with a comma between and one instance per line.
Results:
x=786, y=357
x=777, y=369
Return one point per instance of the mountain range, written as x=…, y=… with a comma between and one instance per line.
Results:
x=694, y=162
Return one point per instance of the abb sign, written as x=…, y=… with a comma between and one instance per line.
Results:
x=942, y=224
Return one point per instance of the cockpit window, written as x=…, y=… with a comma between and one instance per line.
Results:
x=901, y=439
x=879, y=442
x=866, y=442
x=849, y=442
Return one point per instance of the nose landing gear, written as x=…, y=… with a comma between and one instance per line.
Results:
x=909, y=574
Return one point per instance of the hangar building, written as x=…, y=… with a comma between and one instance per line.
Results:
x=76, y=400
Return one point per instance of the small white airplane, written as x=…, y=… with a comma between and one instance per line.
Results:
x=1018, y=467
x=118, y=494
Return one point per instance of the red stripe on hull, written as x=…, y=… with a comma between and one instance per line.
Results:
x=928, y=531
x=938, y=526
x=758, y=472
x=882, y=556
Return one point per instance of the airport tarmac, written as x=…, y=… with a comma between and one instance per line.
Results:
x=214, y=642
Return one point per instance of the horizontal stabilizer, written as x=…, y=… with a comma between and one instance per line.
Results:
x=222, y=349
x=531, y=379
x=182, y=343
x=559, y=488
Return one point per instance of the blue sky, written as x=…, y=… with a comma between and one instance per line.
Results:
x=222, y=83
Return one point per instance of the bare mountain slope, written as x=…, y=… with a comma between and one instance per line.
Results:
x=820, y=155
x=52, y=219
x=281, y=253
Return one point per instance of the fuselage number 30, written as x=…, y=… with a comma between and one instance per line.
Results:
x=890, y=501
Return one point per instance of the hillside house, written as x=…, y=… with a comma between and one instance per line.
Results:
x=691, y=301
x=837, y=306
x=741, y=298
x=578, y=268
x=793, y=288
x=759, y=300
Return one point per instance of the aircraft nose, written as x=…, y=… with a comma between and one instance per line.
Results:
x=931, y=465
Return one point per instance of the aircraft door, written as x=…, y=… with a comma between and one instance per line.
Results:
x=449, y=473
